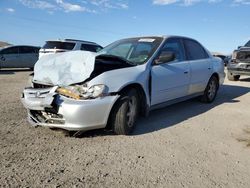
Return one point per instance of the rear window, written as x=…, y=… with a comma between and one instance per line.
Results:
x=91, y=48
x=59, y=45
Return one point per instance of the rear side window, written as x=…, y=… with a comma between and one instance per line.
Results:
x=59, y=45
x=27, y=50
x=11, y=50
x=91, y=48
x=194, y=50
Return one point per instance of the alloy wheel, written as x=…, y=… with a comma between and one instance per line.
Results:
x=131, y=112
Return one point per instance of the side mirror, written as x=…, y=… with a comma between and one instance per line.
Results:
x=165, y=57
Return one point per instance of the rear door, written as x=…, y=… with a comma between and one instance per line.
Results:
x=9, y=58
x=200, y=63
x=28, y=56
x=170, y=80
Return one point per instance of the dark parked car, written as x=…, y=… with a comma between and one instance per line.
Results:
x=240, y=63
x=18, y=56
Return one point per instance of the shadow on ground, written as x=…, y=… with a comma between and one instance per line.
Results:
x=245, y=79
x=13, y=71
x=174, y=114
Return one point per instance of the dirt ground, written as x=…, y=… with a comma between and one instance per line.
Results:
x=189, y=144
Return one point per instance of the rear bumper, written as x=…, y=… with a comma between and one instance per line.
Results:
x=56, y=111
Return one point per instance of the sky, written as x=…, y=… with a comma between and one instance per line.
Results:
x=220, y=25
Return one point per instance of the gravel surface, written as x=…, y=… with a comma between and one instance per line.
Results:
x=189, y=144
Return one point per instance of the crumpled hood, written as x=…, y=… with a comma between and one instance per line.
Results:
x=64, y=69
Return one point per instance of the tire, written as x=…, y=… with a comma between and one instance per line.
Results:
x=124, y=115
x=211, y=90
x=232, y=77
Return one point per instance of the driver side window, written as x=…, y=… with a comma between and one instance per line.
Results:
x=175, y=46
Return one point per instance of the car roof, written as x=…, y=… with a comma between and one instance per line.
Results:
x=162, y=36
x=10, y=46
x=73, y=40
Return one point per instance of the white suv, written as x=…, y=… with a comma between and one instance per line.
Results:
x=56, y=46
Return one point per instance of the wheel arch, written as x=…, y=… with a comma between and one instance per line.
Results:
x=217, y=76
x=142, y=96
x=143, y=108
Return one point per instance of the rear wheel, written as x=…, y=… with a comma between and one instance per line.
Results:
x=125, y=113
x=232, y=77
x=211, y=90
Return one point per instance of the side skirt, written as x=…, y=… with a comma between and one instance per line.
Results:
x=174, y=101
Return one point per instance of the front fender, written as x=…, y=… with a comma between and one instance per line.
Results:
x=117, y=79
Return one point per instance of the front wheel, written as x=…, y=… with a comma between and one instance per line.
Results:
x=125, y=113
x=211, y=90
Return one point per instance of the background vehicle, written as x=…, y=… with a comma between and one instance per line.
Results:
x=128, y=78
x=240, y=63
x=57, y=46
x=18, y=56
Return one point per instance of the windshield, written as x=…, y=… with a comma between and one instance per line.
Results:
x=248, y=44
x=135, y=50
x=59, y=45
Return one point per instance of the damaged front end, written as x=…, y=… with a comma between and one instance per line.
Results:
x=68, y=108
x=75, y=106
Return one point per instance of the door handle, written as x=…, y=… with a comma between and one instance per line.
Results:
x=209, y=68
x=186, y=72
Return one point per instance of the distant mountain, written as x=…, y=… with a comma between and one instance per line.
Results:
x=2, y=44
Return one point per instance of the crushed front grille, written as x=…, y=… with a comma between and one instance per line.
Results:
x=47, y=117
x=36, y=85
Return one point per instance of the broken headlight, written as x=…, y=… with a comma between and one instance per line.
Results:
x=81, y=92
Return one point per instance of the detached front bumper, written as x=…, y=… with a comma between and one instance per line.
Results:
x=48, y=108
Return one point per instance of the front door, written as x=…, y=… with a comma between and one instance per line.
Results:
x=170, y=80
